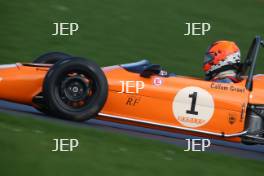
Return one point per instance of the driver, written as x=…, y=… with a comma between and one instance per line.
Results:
x=221, y=62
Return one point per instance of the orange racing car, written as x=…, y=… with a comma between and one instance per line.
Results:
x=139, y=93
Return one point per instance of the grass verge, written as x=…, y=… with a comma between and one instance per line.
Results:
x=26, y=145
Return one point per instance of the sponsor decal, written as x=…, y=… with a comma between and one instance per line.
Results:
x=157, y=81
x=232, y=119
x=133, y=100
x=193, y=106
x=226, y=87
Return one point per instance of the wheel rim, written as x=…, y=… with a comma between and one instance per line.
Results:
x=76, y=90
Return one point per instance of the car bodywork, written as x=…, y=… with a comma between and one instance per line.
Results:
x=174, y=103
x=155, y=104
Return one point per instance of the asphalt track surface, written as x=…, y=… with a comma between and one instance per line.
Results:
x=255, y=152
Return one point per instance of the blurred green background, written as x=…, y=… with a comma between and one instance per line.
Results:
x=114, y=32
x=119, y=31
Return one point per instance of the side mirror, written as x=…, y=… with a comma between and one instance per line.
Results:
x=262, y=43
x=150, y=70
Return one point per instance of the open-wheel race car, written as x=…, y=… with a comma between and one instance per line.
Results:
x=77, y=89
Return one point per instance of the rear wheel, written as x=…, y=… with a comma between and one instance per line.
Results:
x=75, y=89
x=51, y=58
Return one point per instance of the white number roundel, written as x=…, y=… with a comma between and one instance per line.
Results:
x=193, y=106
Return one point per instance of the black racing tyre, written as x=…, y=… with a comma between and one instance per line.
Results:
x=51, y=58
x=75, y=89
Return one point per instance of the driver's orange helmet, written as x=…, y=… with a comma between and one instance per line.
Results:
x=220, y=56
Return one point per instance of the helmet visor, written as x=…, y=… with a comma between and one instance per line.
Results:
x=208, y=58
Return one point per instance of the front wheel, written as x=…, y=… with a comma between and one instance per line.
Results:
x=75, y=89
x=49, y=58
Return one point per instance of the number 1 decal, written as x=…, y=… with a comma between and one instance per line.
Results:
x=193, y=106
x=193, y=96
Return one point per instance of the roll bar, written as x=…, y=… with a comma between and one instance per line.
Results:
x=250, y=61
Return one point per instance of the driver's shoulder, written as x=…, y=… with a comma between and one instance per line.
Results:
x=223, y=80
x=226, y=80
